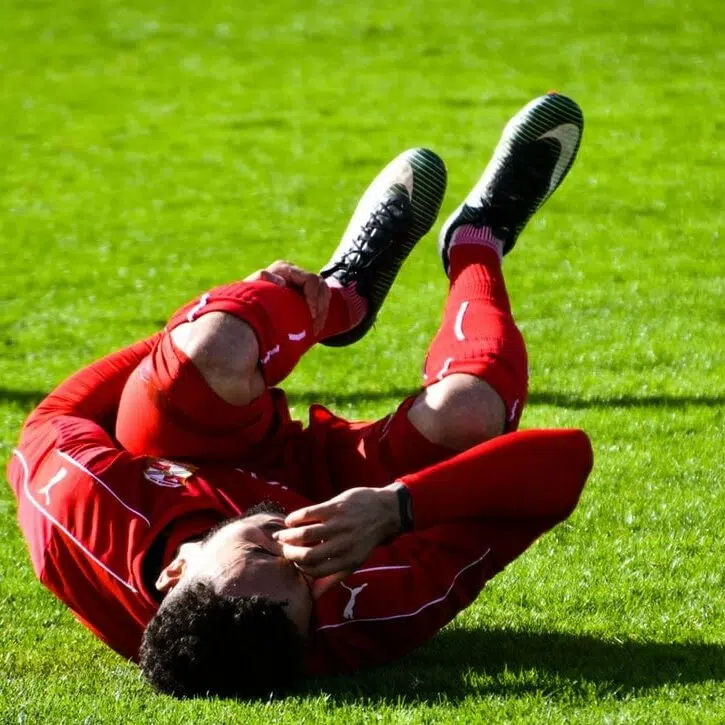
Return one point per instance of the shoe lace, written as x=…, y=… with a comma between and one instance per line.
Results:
x=385, y=220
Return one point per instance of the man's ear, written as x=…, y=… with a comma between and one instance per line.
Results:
x=171, y=574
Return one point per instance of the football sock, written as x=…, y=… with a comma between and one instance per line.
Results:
x=532, y=474
x=478, y=335
x=475, y=273
x=468, y=234
x=280, y=318
x=347, y=309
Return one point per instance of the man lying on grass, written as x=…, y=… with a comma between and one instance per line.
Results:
x=139, y=480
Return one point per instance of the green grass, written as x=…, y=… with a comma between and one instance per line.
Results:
x=151, y=149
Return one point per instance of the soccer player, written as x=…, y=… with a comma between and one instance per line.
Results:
x=370, y=537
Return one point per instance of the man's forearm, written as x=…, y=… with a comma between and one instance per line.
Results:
x=525, y=475
x=533, y=477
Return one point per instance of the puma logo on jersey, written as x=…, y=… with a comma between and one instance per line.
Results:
x=348, y=611
x=62, y=473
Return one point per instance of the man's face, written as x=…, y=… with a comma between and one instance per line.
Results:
x=241, y=559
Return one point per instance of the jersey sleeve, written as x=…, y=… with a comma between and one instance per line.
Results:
x=72, y=420
x=526, y=475
x=80, y=507
x=93, y=393
x=474, y=514
x=407, y=591
x=80, y=502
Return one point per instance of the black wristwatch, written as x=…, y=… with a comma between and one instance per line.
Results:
x=405, y=504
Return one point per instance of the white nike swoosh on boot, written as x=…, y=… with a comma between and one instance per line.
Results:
x=568, y=140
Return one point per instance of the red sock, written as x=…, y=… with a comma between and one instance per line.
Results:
x=531, y=474
x=478, y=335
x=280, y=317
x=347, y=309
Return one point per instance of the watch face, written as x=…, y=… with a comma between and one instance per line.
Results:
x=405, y=504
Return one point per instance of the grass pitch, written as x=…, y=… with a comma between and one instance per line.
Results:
x=151, y=149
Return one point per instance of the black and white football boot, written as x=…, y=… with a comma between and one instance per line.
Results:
x=398, y=208
x=537, y=148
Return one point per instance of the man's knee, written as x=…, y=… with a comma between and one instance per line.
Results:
x=226, y=352
x=460, y=411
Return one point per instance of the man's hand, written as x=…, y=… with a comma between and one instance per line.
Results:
x=312, y=286
x=337, y=536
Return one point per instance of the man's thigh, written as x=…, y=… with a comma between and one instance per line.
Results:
x=344, y=454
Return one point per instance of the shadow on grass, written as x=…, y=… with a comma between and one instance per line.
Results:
x=25, y=397
x=333, y=397
x=559, y=400
x=567, y=400
x=461, y=663
x=398, y=394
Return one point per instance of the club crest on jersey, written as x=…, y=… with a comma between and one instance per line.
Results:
x=168, y=473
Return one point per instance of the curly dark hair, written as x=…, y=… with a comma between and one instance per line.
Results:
x=203, y=643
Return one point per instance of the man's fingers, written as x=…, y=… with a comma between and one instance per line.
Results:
x=316, y=560
x=315, y=290
x=309, y=515
x=309, y=289
x=312, y=286
x=274, y=278
x=266, y=276
x=292, y=273
x=305, y=535
x=308, y=557
x=280, y=267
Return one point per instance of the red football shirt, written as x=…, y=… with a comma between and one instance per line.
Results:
x=90, y=513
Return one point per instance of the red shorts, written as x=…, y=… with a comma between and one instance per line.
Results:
x=333, y=454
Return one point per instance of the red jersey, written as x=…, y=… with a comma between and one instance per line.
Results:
x=92, y=513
